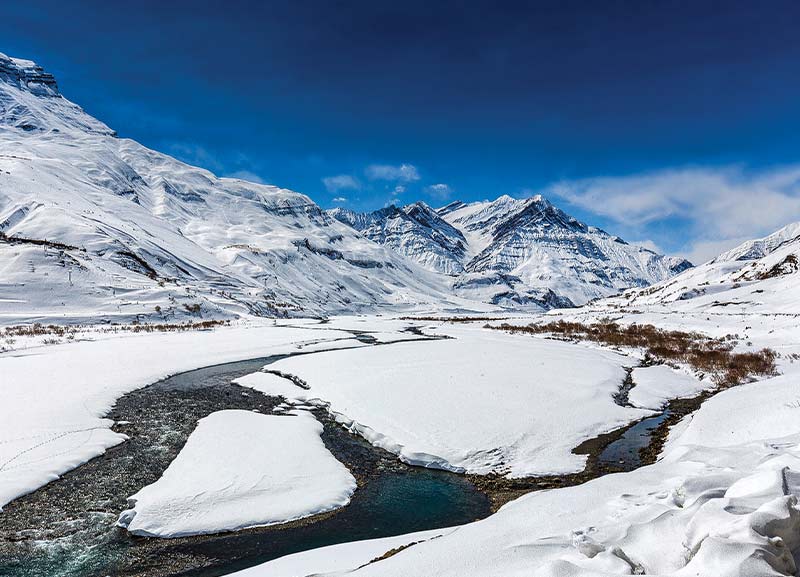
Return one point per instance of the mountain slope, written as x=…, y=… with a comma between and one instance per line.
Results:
x=761, y=275
x=93, y=224
x=515, y=252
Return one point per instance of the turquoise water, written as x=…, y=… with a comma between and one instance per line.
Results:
x=393, y=504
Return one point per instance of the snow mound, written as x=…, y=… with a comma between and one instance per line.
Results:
x=655, y=386
x=242, y=469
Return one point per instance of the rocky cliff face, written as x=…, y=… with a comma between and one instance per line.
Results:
x=27, y=75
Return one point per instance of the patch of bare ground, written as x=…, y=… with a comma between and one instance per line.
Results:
x=37, y=242
x=392, y=553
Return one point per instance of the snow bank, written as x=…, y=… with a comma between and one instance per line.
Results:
x=481, y=402
x=242, y=469
x=656, y=385
x=337, y=557
x=756, y=412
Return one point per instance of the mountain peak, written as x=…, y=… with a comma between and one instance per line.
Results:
x=416, y=231
x=31, y=101
x=761, y=247
x=27, y=75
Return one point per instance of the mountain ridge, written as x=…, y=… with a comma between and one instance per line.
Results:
x=517, y=252
x=759, y=276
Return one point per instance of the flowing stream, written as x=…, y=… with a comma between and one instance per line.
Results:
x=67, y=528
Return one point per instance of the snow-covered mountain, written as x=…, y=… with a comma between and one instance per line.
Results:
x=761, y=275
x=94, y=225
x=515, y=252
x=415, y=231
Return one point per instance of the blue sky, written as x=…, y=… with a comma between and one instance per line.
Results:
x=670, y=123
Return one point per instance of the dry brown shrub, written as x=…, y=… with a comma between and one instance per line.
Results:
x=714, y=357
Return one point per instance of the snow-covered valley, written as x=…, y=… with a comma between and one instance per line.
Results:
x=710, y=462
x=371, y=394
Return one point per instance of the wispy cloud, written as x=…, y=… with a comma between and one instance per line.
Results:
x=341, y=182
x=439, y=191
x=649, y=244
x=339, y=199
x=723, y=206
x=231, y=163
x=246, y=175
x=195, y=154
x=402, y=173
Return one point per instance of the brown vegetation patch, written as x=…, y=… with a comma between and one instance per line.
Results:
x=39, y=329
x=38, y=242
x=714, y=357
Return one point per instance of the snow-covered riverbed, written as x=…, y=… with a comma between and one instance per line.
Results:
x=479, y=402
x=54, y=397
x=721, y=501
x=723, y=496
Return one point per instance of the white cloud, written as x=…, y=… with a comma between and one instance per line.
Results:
x=722, y=206
x=339, y=199
x=341, y=182
x=704, y=250
x=439, y=191
x=246, y=175
x=403, y=172
x=649, y=244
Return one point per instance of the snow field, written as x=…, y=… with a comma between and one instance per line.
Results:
x=722, y=502
x=481, y=402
